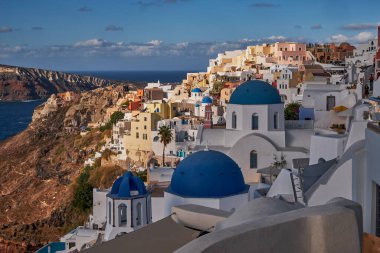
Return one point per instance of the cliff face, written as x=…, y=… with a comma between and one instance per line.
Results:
x=17, y=83
x=38, y=168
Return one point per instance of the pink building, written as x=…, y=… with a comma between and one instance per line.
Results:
x=290, y=53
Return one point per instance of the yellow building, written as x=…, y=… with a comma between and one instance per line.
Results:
x=160, y=108
x=138, y=142
x=225, y=94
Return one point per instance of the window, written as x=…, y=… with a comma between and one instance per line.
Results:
x=145, y=119
x=137, y=135
x=145, y=127
x=275, y=120
x=255, y=121
x=139, y=214
x=109, y=213
x=330, y=103
x=253, y=159
x=234, y=120
x=122, y=215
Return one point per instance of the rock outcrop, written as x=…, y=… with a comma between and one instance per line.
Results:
x=38, y=168
x=18, y=83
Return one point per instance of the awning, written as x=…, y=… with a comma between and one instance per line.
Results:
x=340, y=108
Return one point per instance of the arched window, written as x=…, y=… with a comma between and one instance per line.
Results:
x=275, y=120
x=122, y=215
x=255, y=121
x=234, y=120
x=139, y=214
x=253, y=159
x=109, y=213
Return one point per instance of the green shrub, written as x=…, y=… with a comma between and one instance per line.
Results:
x=142, y=175
x=83, y=191
x=292, y=111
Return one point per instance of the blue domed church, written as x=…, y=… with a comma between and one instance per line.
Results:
x=255, y=130
x=128, y=206
x=208, y=178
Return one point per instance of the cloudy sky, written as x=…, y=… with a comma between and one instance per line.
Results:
x=168, y=34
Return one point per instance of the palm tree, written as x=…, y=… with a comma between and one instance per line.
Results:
x=166, y=137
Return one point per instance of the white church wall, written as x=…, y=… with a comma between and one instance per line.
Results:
x=99, y=206
x=158, y=208
x=240, y=152
x=261, y=111
x=238, y=109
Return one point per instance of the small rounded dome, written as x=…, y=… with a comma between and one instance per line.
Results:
x=196, y=90
x=124, y=185
x=207, y=174
x=206, y=100
x=197, y=105
x=255, y=92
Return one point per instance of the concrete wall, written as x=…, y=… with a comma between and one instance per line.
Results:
x=371, y=177
x=338, y=185
x=326, y=147
x=332, y=228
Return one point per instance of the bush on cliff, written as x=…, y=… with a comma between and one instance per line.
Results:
x=115, y=117
x=83, y=191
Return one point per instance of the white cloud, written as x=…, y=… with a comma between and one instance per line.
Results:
x=360, y=26
x=363, y=37
x=98, y=47
x=358, y=38
x=91, y=43
x=155, y=42
x=276, y=38
x=338, y=38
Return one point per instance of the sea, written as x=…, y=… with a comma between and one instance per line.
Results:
x=16, y=116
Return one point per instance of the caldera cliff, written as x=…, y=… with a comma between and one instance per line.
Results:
x=19, y=83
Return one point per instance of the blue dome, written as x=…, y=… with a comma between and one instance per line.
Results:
x=207, y=174
x=255, y=92
x=206, y=100
x=196, y=90
x=123, y=186
x=197, y=105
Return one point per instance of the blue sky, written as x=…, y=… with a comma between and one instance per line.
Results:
x=167, y=34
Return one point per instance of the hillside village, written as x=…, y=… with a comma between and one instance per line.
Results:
x=290, y=122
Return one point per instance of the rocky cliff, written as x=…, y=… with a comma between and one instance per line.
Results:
x=17, y=83
x=38, y=168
